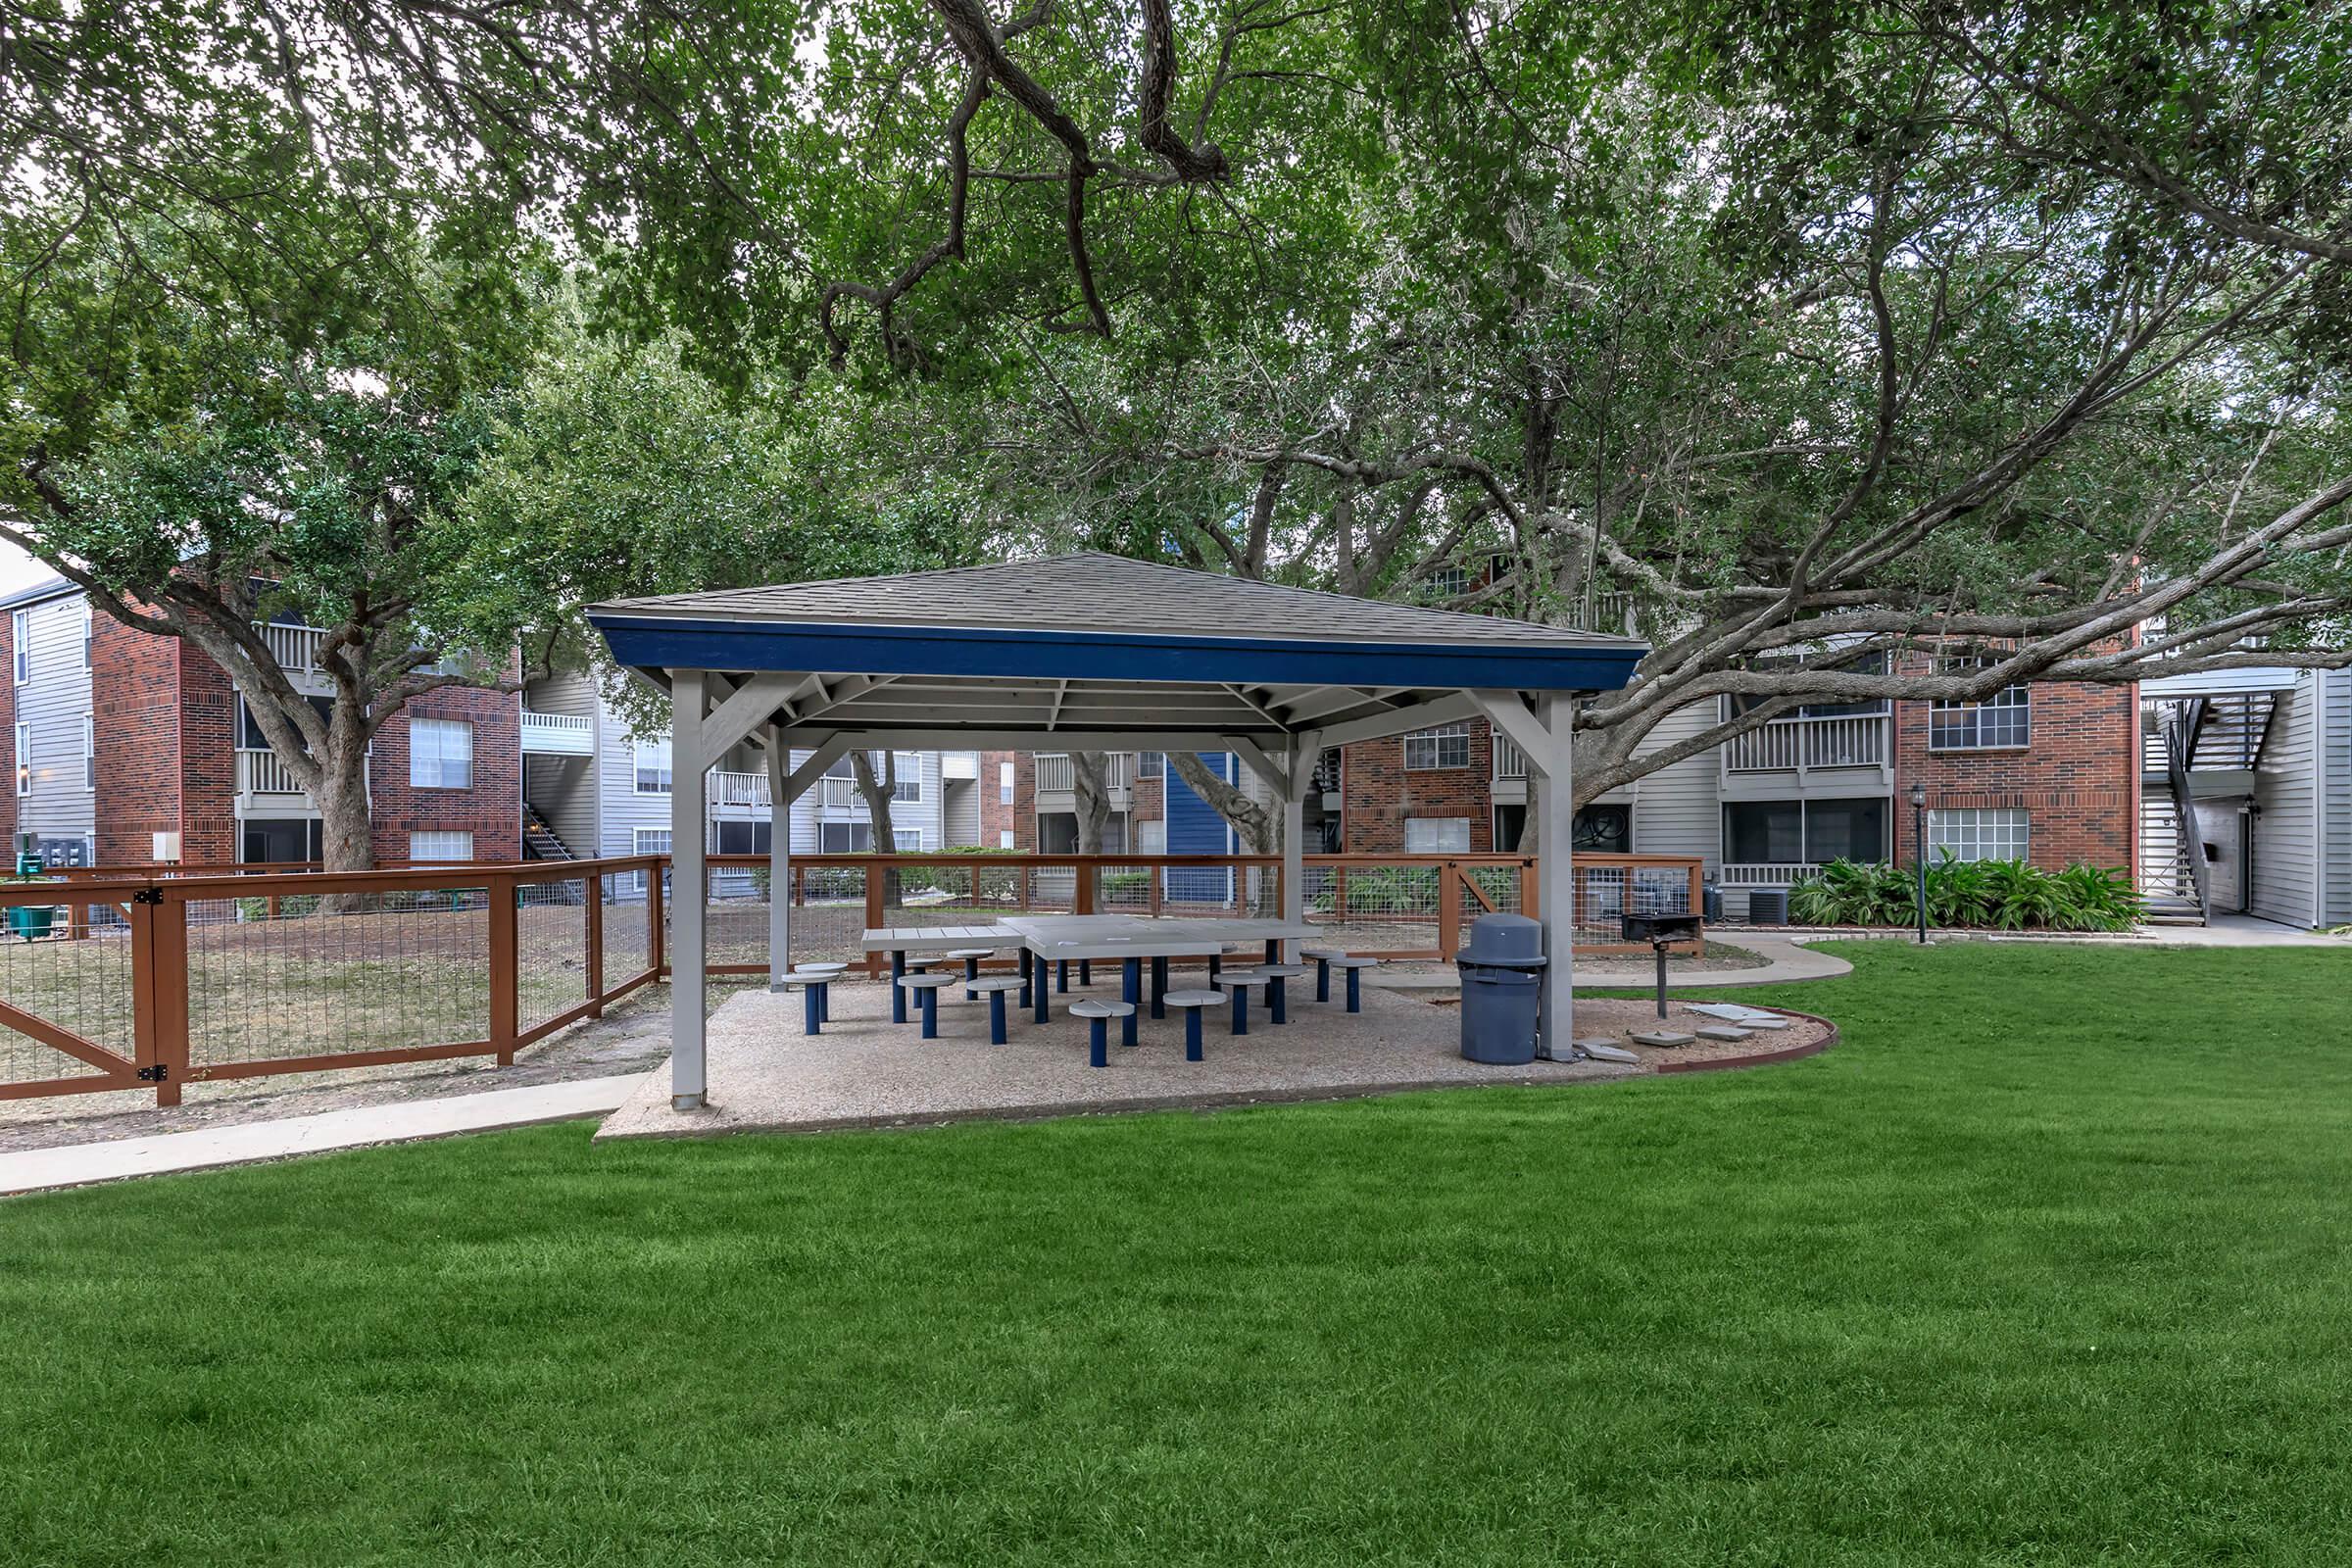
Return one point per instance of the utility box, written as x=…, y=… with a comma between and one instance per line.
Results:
x=1502, y=968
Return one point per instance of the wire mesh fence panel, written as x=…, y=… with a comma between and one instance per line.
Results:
x=80, y=982
x=1485, y=890
x=1600, y=903
x=304, y=976
x=828, y=923
x=551, y=950
x=1053, y=890
x=736, y=928
x=1126, y=890
x=1369, y=908
x=627, y=925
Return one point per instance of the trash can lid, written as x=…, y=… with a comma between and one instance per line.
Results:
x=1511, y=940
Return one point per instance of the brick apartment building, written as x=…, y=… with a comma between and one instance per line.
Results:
x=127, y=748
x=2046, y=772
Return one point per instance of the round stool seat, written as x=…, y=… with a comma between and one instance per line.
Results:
x=961, y=953
x=1096, y=1008
x=1322, y=954
x=1345, y=963
x=928, y=982
x=1281, y=971
x=1194, y=999
x=995, y=982
x=1238, y=979
x=826, y=967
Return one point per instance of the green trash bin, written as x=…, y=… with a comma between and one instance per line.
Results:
x=31, y=920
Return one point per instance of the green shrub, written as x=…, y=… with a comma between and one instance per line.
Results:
x=2000, y=895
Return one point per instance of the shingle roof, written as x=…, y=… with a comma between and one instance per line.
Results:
x=1093, y=591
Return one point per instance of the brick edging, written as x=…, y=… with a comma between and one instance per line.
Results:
x=1764, y=1058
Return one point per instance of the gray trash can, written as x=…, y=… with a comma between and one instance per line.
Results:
x=1768, y=906
x=1502, y=968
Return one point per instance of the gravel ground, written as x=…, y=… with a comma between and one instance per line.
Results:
x=864, y=1071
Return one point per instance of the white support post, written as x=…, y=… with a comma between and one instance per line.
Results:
x=780, y=859
x=1293, y=849
x=1554, y=805
x=689, y=888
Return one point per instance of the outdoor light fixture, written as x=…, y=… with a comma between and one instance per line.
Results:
x=1919, y=845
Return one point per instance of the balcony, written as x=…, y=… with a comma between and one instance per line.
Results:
x=746, y=791
x=1802, y=745
x=1058, y=777
x=557, y=734
x=265, y=783
x=295, y=647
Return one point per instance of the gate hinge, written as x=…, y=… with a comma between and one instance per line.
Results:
x=158, y=1072
x=148, y=896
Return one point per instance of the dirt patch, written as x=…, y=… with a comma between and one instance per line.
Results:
x=1619, y=1018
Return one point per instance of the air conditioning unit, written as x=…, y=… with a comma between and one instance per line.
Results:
x=166, y=848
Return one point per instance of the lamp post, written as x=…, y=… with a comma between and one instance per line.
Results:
x=1919, y=847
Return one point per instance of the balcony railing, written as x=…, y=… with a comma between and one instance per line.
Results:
x=1801, y=744
x=741, y=789
x=295, y=647
x=1766, y=874
x=1056, y=773
x=259, y=773
x=565, y=734
x=1509, y=760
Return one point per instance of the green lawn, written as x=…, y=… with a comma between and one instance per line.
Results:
x=2049, y=1261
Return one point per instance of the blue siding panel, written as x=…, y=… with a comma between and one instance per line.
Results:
x=1196, y=827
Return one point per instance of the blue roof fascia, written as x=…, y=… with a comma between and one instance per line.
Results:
x=669, y=643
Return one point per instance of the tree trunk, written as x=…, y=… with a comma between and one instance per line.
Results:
x=878, y=794
x=1260, y=829
x=1090, y=788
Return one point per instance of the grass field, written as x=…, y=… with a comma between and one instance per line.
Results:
x=2050, y=1261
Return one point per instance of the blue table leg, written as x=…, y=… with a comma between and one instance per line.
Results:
x=1042, y=991
x=1159, y=988
x=996, y=1018
x=1216, y=964
x=1322, y=979
x=930, y=1012
x=1086, y=971
x=1191, y=1033
x=1028, y=962
x=1131, y=992
x=1274, y=1002
x=1273, y=950
x=1355, y=998
x=1061, y=975
x=971, y=972
x=824, y=1002
x=897, y=993
x=1241, y=1009
x=811, y=1007
x=1098, y=1042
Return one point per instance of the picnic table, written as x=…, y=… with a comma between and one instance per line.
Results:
x=1131, y=939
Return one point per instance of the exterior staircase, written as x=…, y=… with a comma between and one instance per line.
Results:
x=540, y=843
x=2193, y=749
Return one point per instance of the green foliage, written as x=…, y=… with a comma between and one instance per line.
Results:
x=2002, y=894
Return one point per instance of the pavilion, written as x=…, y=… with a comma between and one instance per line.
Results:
x=1095, y=652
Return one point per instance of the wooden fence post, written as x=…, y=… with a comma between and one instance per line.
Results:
x=594, y=916
x=1082, y=890
x=506, y=963
x=1450, y=912
x=1531, y=901
x=163, y=1051
x=874, y=887
x=654, y=942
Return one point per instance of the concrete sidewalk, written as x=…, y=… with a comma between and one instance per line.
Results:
x=77, y=1165
x=1789, y=962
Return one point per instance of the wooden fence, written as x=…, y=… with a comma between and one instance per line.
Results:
x=136, y=977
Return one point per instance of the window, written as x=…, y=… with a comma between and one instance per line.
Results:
x=1151, y=765
x=1805, y=832
x=1437, y=835
x=89, y=628
x=440, y=755
x=249, y=732
x=1447, y=582
x=20, y=631
x=844, y=838
x=652, y=767
x=1004, y=838
x=281, y=840
x=440, y=847
x=2005, y=718
x=1005, y=786
x=910, y=766
x=742, y=838
x=1446, y=745
x=24, y=759
x=1152, y=836
x=907, y=840
x=89, y=751
x=1979, y=835
x=650, y=841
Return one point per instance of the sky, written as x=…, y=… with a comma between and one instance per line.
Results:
x=18, y=570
